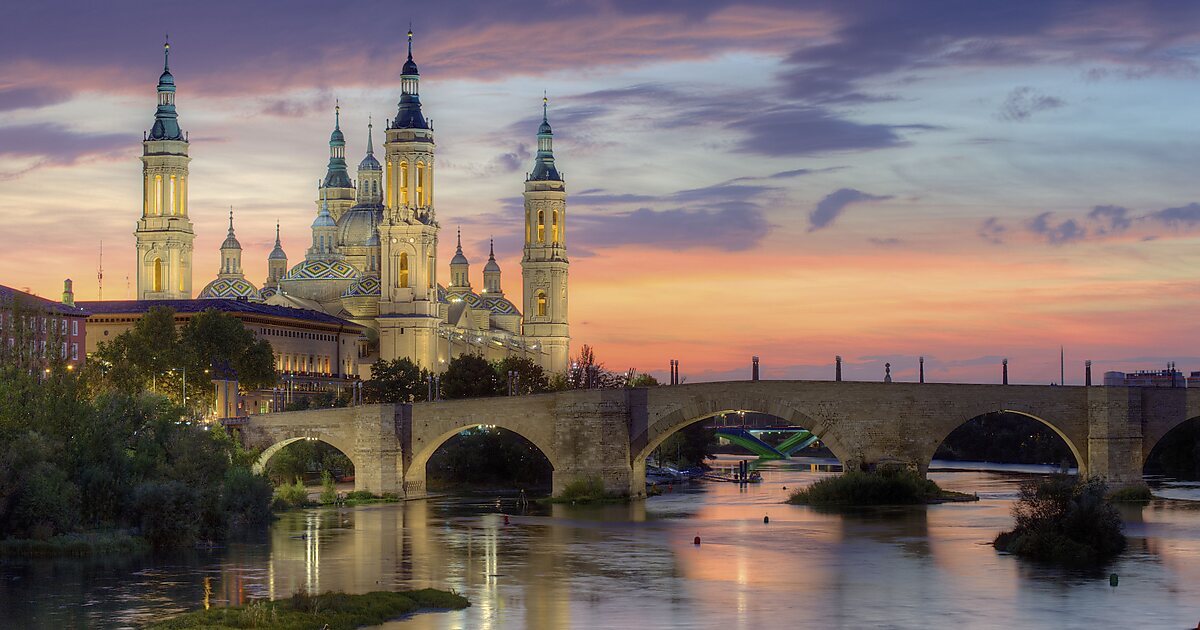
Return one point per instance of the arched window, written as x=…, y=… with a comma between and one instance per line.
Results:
x=174, y=197
x=158, y=277
x=541, y=303
x=390, y=182
x=554, y=226
x=404, y=183
x=403, y=270
x=528, y=228
x=420, y=185
x=430, y=266
x=541, y=226
x=158, y=194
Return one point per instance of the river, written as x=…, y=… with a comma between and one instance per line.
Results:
x=635, y=567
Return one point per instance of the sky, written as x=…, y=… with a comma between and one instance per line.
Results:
x=963, y=181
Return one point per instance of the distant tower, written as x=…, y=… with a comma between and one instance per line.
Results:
x=370, y=173
x=276, y=262
x=460, y=270
x=491, y=273
x=544, y=265
x=231, y=254
x=164, y=233
x=408, y=305
x=324, y=236
x=337, y=191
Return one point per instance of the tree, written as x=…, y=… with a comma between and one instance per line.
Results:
x=643, y=380
x=470, y=376
x=398, y=381
x=586, y=372
x=155, y=355
x=531, y=378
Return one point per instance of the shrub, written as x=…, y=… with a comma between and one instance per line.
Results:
x=1132, y=494
x=329, y=493
x=886, y=486
x=168, y=512
x=45, y=502
x=245, y=497
x=1065, y=521
x=292, y=495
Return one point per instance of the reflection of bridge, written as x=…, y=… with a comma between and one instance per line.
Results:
x=749, y=439
x=609, y=433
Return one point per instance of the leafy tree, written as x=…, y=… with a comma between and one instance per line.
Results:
x=643, y=380
x=586, y=372
x=398, y=381
x=689, y=446
x=531, y=378
x=470, y=376
x=1064, y=520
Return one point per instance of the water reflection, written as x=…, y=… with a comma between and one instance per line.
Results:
x=635, y=565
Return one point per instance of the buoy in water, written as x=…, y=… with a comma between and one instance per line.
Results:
x=696, y=541
x=506, y=519
x=766, y=519
x=1112, y=579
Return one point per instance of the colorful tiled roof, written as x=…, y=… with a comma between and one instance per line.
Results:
x=323, y=270
x=230, y=288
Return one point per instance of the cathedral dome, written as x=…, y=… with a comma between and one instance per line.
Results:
x=365, y=286
x=230, y=289
x=268, y=292
x=356, y=228
x=500, y=306
x=369, y=163
x=323, y=270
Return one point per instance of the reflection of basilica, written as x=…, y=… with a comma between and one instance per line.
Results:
x=374, y=253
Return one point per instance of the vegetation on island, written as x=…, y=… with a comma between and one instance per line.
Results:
x=1063, y=520
x=91, y=461
x=890, y=485
x=332, y=611
x=587, y=491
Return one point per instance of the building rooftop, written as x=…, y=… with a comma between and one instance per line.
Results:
x=118, y=307
x=8, y=294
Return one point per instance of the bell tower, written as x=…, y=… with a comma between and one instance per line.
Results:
x=544, y=264
x=164, y=232
x=408, y=233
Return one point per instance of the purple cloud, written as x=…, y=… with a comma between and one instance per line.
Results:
x=57, y=145
x=832, y=206
x=1023, y=102
x=992, y=231
x=1111, y=219
x=1062, y=233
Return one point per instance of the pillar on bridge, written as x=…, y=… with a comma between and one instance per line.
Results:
x=1115, y=418
x=591, y=440
x=378, y=467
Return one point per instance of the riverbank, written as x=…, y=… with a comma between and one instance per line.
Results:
x=331, y=611
x=76, y=545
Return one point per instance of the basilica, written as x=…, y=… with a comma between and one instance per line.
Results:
x=373, y=260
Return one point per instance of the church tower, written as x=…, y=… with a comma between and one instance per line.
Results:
x=544, y=264
x=337, y=191
x=408, y=233
x=164, y=233
x=276, y=262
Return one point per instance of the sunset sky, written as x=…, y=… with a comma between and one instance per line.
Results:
x=881, y=180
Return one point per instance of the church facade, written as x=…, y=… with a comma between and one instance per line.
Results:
x=373, y=258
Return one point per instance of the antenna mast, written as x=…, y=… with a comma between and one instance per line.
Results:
x=100, y=273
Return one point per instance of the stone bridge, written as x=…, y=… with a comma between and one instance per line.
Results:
x=609, y=433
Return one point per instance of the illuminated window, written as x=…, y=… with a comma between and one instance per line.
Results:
x=404, y=183
x=429, y=267
x=174, y=197
x=541, y=226
x=541, y=304
x=420, y=185
x=390, y=182
x=158, y=193
x=554, y=226
x=158, y=278
x=528, y=228
x=403, y=270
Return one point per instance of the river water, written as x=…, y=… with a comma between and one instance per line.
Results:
x=634, y=566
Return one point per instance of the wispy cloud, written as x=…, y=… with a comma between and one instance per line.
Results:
x=832, y=206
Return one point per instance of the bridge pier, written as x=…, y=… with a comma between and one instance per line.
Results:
x=1115, y=419
x=378, y=464
x=591, y=441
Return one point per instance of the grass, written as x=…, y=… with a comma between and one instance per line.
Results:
x=589, y=490
x=85, y=544
x=888, y=486
x=335, y=611
x=362, y=497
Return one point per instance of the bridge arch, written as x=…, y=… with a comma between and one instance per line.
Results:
x=697, y=408
x=281, y=442
x=415, y=469
x=963, y=418
x=1157, y=435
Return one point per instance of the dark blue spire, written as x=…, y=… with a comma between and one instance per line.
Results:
x=408, y=111
x=543, y=165
x=336, y=176
x=166, y=120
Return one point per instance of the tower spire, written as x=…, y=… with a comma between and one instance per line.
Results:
x=167, y=53
x=337, y=113
x=370, y=136
x=410, y=35
x=460, y=240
